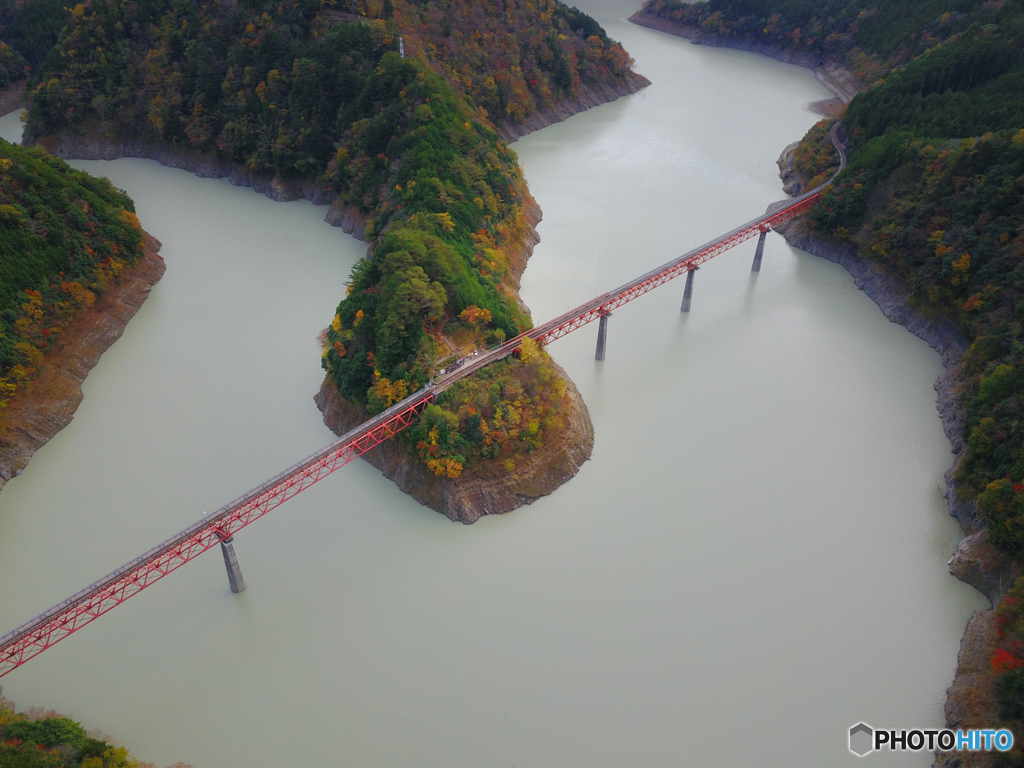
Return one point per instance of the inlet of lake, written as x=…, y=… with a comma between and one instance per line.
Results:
x=753, y=560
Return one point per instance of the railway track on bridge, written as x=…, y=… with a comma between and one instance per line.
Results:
x=88, y=604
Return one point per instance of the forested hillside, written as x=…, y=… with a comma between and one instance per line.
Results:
x=28, y=30
x=64, y=237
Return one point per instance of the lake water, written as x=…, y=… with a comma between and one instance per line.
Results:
x=753, y=560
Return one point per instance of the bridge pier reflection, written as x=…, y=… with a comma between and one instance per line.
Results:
x=759, y=252
x=602, y=336
x=227, y=548
x=688, y=291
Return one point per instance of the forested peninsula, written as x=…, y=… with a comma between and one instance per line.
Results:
x=395, y=114
x=929, y=216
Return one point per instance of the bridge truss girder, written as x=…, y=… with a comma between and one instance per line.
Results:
x=46, y=630
x=80, y=609
x=589, y=312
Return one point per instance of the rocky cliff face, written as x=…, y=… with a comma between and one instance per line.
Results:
x=49, y=402
x=791, y=183
x=970, y=699
x=12, y=97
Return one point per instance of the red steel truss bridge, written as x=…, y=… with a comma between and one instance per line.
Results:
x=49, y=628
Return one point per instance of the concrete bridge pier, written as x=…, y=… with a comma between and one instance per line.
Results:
x=688, y=291
x=759, y=252
x=602, y=336
x=227, y=548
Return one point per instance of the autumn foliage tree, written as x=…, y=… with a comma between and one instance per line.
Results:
x=506, y=410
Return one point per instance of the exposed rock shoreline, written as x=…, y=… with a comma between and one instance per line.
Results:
x=975, y=561
x=49, y=402
x=12, y=97
x=843, y=84
x=93, y=145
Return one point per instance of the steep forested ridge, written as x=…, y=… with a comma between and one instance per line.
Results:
x=64, y=237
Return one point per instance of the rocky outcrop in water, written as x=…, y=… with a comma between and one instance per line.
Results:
x=987, y=569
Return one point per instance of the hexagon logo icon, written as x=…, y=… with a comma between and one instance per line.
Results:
x=861, y=739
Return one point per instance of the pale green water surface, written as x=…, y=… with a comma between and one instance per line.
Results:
x=753, y=560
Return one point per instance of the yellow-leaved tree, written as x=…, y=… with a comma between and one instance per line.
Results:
x=529, y=350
